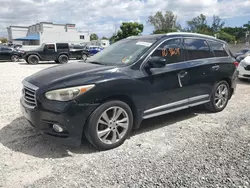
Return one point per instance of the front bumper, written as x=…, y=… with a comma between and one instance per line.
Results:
x=72, y=121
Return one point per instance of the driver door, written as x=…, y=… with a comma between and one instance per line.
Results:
x=168, y=85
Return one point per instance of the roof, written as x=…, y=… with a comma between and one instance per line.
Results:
x=29, y=37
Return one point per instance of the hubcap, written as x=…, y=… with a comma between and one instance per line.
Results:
x=14, y=58
x=64, y=59
x=112, y=125
x=221, y=96
x=84, y=57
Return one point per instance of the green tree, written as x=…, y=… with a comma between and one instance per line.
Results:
x=225, y=36
x=104, y=38
x=198, y=24
x=93, y=36
x=128, y=29
x=237, y=32
x=217, y=24
x=164, y=22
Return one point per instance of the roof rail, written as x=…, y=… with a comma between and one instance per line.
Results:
x=189, y=33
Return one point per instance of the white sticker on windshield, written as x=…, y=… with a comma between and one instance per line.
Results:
x=144, y=43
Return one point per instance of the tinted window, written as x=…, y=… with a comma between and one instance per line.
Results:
x=171, y=50
x=218, y=49
x=50, y=46
x=62, y=46
x=197, y=49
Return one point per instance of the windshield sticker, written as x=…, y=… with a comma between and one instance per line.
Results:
x=126, y=59
x=144, y=43
x=170, y=52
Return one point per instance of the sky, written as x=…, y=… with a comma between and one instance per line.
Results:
x=105, y=16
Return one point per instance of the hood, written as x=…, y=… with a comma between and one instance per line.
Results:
x=61, y=73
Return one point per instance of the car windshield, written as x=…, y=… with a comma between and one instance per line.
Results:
x=122, y=52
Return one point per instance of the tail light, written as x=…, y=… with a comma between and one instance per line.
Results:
x=236, y=63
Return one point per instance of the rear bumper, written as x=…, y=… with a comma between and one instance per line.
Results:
x=72, y=122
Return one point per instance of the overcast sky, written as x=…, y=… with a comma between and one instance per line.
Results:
x=103, y=16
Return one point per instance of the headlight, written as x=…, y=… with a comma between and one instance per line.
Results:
x=67, y=94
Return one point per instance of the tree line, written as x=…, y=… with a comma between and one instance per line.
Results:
x=165, y=22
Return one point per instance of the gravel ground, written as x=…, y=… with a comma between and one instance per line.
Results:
x=184, y=149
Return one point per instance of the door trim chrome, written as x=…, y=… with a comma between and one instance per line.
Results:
x=176, y=103
x=174, y=110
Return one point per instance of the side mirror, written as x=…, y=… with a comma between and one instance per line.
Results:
x=157, y=62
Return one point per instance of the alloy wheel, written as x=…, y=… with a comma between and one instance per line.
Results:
x=84, y=57
x=221, y=96
x=112, y=125
x=14, y=58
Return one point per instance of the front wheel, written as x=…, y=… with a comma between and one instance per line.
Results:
x=33, y=59
x=109, y=125
x=219, y=98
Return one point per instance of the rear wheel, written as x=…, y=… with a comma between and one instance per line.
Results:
x=62, y=59
x=219, y=98
x=84, y=57
x=14, y=58
x=33, y=59
x=109, y=125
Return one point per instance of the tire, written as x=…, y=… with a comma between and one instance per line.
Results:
x=62, y=59
x=33, y=59
x=84, y=57
x=211, y=106
x=14, y=58
x=94, y=124
x=56, y=61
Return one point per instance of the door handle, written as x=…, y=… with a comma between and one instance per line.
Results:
x=216, y=67
x=182, y=74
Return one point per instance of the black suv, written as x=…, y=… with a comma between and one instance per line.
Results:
x=133, y=79
x=58, y=52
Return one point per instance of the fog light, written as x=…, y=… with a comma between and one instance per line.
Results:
x=57, y=128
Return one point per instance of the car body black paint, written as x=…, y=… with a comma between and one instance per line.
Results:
x=6, y=53
x=148, y=91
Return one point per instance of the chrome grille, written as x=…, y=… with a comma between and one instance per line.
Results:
x=29, y=94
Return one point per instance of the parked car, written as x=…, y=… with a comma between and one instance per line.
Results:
x=244, y=69
x=10, y=54
x=79, y=52
x=58, y=52
x=93, y=49
x=242, y=52
x=135, y=78
x=242, y=56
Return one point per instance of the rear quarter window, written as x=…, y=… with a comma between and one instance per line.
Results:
x=62, y=46
x=218, y=48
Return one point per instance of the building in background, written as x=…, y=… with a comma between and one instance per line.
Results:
x=100, y=42
x=45, y=32
x=16, y=32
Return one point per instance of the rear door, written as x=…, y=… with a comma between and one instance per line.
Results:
x=222, y=65
x=200, y=61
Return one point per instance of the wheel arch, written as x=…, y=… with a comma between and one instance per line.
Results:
x=137, y=114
